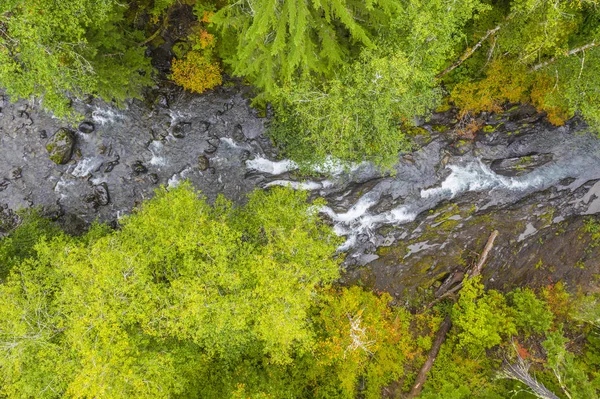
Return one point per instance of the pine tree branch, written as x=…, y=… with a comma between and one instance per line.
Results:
x=569, y=53
x=468, y=53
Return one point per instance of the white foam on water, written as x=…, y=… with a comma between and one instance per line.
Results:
x=155, y=148
x=232, y=143
x=105, y=116
x=86, y=166
x=308, y=185
x=174, y=181
x=477, y=176
x=354, y=213
x=265, y=165
x=61, y=185
x=304, y=185
x=336, y=167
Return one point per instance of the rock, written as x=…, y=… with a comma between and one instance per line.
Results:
x=518, y=166
x=153, y=178
x=111, y=165
x=4, y=185
x=238, y=133
x=16, y=173
x=86, y=127
x=213, y=144
x=245, y=155
x=60, y=146
x=461, y=147
x=203, y=162
x=8, y=220
x=161, y=101
x=181, y=129
x=139, y=168
x=204, y=126
x=101, y=194
x=43, y=134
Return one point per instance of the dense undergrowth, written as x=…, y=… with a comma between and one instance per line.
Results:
x=188, y=300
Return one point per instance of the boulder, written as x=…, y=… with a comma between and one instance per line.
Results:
x=518, y=166
x=203, y=162
x=86, y=127
x=60, y=146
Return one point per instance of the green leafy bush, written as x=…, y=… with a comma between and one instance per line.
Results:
x=531, y=314
x=482, y=318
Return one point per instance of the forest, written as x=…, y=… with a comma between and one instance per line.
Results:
x=186, y=297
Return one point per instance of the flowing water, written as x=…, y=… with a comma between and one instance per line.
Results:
x=217, y=142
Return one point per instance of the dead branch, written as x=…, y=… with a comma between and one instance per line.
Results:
x=440, y=337
x=484, y=255
x=520, y=371
x=474, y=272
x=469, y=52
x=569, y=53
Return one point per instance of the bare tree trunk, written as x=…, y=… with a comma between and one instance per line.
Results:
x=572, y=52
x=520, y=371
x=440, y=337
x=484, y=255
x=468, y=53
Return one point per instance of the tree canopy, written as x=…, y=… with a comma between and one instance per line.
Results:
x=56, y=51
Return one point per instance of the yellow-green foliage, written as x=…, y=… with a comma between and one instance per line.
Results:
x=196, y=72
x=59, y=50
x=482, y=319
x=360, y=338
x=196, y=69
x=143, y=311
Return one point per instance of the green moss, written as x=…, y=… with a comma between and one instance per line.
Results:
x=440, y=128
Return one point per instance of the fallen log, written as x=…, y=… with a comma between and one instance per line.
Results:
x=440, y=337
x=446, y=324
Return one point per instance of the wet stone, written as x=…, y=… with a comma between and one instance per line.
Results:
x=182, y=129
x=101, y=194
x=111, y=165
x=245, y=155
x=60, y=146
x=238, y=133
x=203, y=162
x=213, y=144
x=162, y=101
x=16, y=173
x=86, y=127
x=518, y=166
x=139, y=168
x=204, y=126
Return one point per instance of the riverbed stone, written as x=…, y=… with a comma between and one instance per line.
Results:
x=101, y=194
x=139, y=168
x=86, y=127
x=181, y=129
x=203, y=162
x=517, y=166
x=60, y=146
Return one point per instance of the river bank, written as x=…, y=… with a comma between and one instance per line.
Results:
x=406, y=229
